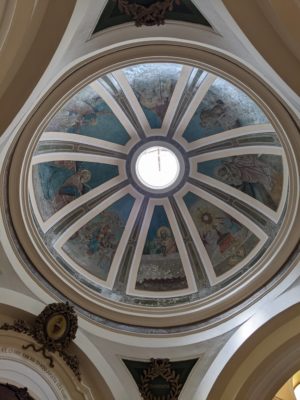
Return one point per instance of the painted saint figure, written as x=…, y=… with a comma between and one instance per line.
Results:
x=250, y=175
x=219, y=115
x=166, y=243
x=62, y=182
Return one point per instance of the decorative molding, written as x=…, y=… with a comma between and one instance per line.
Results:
x=154, y=14
x=160, y=368
x=184, y=12
x=160, y=379
x=54, y=329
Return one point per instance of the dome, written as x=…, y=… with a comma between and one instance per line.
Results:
x=204, y=223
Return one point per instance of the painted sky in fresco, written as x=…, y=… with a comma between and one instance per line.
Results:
x=258, y=176
x=57, y=183
x=224, y=107
x=87, y=114
x=153, y=87
x=161, y=267
x=94, y=245
x=226, y=241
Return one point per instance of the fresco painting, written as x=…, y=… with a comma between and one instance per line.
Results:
x=226, y=241
x=93, y=247
x=57, y=183
x=223, y=108
x=153, y=87
x=87, y=114
x=161, y=267
x=257, y=175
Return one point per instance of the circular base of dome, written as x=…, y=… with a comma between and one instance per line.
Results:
x=196, y=290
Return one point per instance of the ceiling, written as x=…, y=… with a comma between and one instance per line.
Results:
x=70, y=197
x=180, y=11
x=148, y=247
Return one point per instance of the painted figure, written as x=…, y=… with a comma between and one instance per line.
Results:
x=62, y=182
x=165, y=243
x=87, y=114
x=225, y=239
x=162, y=244
x=219, y=115
x=250, y=175
x=161, y=266
x=156, y=101
x=94, y=245
x=153, y=88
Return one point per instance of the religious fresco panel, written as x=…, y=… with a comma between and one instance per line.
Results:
x=57, y=183
x=94, y=245
x=223, y=108
x=153, y=86
x=226, y=240
x=87, y=114
x=257, y=175
x=161, y=266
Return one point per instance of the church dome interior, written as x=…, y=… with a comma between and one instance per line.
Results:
x=106, y=213
x=149, y=236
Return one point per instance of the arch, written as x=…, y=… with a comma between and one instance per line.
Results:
x=276, y=22
x=24, y=35
x=14, y=304
x=260, y=356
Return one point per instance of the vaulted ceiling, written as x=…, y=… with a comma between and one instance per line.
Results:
x=151, y=247
x=199, y=278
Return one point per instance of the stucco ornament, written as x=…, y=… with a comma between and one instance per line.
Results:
x=160, y=374
x=54, y=329
x=153, y=14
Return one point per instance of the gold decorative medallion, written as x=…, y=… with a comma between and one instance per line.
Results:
x=54, y=329
x=152, y=14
